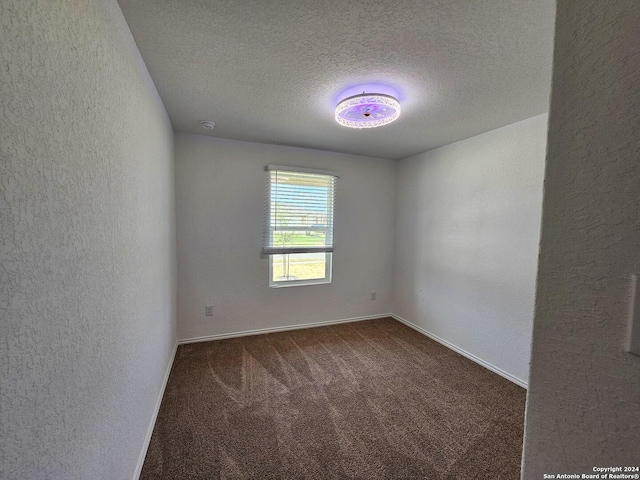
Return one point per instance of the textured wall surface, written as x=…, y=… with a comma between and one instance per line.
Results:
x=87, y=239
x=220, y=197
x=466, y=244
x=583, y=406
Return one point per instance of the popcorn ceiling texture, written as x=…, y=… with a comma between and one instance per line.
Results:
x=87, y=242
x=583, y=406
x=271, y=71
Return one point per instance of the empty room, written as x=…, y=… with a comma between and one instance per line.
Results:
x=319, y=240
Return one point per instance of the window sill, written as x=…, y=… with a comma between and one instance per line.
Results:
x=299, y=284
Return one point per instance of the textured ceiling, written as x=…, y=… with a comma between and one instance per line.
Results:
x=272, y=71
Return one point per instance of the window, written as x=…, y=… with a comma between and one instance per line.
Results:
x=298, y=231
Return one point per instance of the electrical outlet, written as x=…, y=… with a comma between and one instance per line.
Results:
x=373, y=295
x=208, y=310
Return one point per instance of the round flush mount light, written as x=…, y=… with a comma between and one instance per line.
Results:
x=207, y=124
x=367, y=110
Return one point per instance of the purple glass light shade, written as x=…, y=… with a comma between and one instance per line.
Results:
x=367, y=110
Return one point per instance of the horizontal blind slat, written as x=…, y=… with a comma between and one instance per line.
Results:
x=294, y=249
x=298, y=202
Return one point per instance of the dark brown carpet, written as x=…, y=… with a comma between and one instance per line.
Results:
x=365, y=400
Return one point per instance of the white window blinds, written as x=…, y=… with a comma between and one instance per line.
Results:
x=299, y=211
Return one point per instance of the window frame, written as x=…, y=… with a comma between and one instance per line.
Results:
x=271, y=251
x=328, y=273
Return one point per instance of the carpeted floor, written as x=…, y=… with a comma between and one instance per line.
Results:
x=365, y=400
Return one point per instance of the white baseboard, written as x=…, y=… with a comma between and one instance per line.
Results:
x=462, y=352
x=154, y=416
x=260, y=331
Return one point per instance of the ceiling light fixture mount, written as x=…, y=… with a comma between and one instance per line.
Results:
x=367, y=110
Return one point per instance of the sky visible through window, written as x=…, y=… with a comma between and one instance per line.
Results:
x=299, y=198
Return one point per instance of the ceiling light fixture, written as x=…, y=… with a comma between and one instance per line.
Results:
x=367, y=110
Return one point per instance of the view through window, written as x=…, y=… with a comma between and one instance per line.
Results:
x=299, y=226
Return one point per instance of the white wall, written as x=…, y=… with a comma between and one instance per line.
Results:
x=87, y=242
x=466, y=244
x=583, y=405
x=220, y=198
